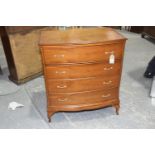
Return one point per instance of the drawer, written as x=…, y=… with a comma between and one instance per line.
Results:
x=81, y=70
x=83, y=84
x=83, y=97
x=53, y=55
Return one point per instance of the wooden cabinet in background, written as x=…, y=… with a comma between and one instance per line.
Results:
x=136, y=29
x=78, y=68
x=149, y=31
x=22, y=53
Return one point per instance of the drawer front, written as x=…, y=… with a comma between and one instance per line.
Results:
x=82, y=70
x=82, y=54
x=83, y=98
x=78, y=85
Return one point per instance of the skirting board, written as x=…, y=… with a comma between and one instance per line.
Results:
x=152, y=94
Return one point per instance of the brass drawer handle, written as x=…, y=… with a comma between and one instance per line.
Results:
x=59, y=56
x=60, y=72
x=108, y=82
x=108, y=68
x=62, y=86
x=105, y=96
x=62, y=100
x=112, y=52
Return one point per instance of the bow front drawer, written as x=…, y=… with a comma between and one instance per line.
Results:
x=83, y=84
x=82, y=70
x=83, y=97
x=53, y=55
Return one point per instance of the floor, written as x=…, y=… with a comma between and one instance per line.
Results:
x=137, y=108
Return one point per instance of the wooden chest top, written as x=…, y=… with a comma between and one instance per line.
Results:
x=80, y=36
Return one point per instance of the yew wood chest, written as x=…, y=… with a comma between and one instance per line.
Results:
x=82, y=68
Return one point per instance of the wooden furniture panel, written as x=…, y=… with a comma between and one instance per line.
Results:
x=73, y=37
x=22, y=53
x=83, y=97
x=148, y=31
x=82, y=84
x=58, y=55
x=137, y=29
x=82, y=68
x=81, y=107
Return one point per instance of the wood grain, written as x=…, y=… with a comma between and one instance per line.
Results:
x=90, y=54
x=80, y=36
x=83, y=97
x=82, y=84
x=82, y=70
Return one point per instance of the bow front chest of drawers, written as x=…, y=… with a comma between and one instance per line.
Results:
x=82, y=68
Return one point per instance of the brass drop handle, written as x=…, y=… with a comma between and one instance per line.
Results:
x=105, y=96
x=110, y=52
x=60, y=72
x=59, y=56
x=108, y=68
x=64, y=86
x=62, y=100
x=107, y=82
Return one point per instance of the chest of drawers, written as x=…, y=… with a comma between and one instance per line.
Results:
x=82, y=68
